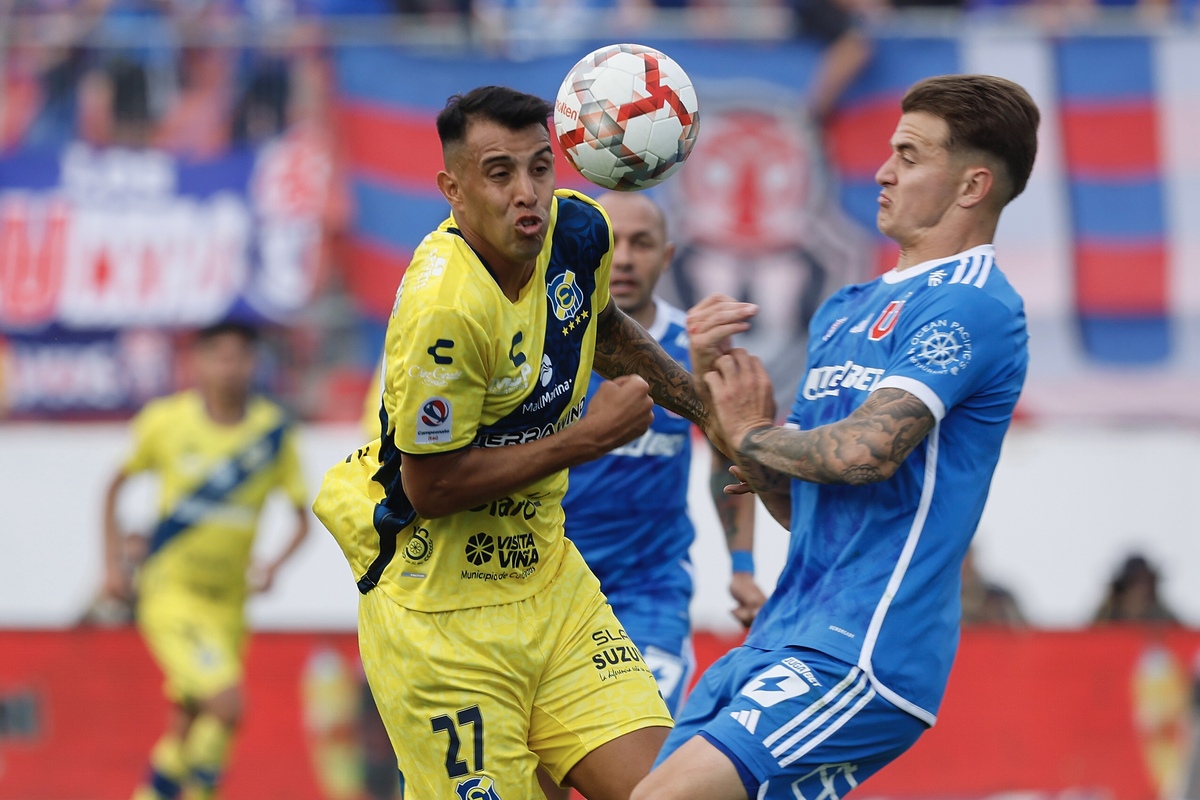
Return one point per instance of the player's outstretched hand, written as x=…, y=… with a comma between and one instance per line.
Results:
x=620, y=411
x=711, y=323
x=742, y=396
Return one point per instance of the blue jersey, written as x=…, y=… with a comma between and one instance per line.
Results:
x=873, y=572
x=627, y=511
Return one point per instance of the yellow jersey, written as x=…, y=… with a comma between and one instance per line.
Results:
x=214, y=480
x=464, y=366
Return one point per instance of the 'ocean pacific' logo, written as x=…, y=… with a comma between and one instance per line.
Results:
x=435, y=412
x=565, y=295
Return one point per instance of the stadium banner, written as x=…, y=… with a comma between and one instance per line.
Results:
x=1102, y=713
x=774, y=209
x=104, y=249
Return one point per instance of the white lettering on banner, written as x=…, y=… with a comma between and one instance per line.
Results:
x=827, y=381
x=118, y=246
x=64, y=377
x=181, y=262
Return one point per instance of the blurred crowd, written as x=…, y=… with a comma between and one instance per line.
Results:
x=1132, y=596
x=194, y=79
x=196, y=76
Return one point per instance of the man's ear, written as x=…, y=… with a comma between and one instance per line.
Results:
x=668, y=255
x=449, y=187
x=978, y=185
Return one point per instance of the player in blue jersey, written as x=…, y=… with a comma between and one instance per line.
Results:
x=627, y=511
x=881, y=471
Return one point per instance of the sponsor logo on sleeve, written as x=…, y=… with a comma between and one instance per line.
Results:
x=438, y=377
x=441, y=344
x=434, y=421
x=940, y=347
x=837, y=323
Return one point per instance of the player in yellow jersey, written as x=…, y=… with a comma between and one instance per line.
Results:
x=487, y=642
x=218, y=452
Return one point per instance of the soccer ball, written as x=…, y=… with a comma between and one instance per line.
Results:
x=626, y=116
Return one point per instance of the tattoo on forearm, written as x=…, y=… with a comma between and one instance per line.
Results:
x=864, y=448
x=726, y=504
x=624, y=348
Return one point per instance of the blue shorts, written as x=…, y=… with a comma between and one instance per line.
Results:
x=795, y=722
x=659, y=626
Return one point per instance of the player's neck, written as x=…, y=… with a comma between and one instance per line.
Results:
x=224, y=409
x=932, y=244
x=511, y=278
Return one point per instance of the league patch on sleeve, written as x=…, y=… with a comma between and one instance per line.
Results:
x=940, y=347
x=433, y=421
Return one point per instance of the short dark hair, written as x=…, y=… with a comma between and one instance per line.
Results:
x=984, y=113
x=508, y=107
x=245, y=330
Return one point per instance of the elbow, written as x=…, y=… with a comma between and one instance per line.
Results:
x=431, y=502
x=873, y=471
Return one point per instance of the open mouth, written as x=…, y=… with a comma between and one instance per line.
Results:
x=529, y=225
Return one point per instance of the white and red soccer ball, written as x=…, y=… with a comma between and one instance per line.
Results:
x=626, y=116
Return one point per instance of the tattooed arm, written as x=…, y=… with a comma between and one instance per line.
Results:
x=866, y=447
x=624, y=348
x=736, y=513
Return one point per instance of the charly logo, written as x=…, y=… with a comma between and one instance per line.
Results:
x=565, y=295
x=419, y=547
x=478, y=788
x=480, y=548
x=547, y=370
x=940, y=347
x=441, y=344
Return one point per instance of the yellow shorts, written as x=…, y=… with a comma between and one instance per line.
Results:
x=198, y=644
x=476, y=698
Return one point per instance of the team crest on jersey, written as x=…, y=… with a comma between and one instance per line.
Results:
x=419, y=547
x=886, y=322
x=433, y=421
x=565, y=295
x=941, y=347
x=479, y=787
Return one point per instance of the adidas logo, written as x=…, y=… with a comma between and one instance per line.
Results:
x=747, y=719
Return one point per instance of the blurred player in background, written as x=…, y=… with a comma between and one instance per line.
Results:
x=485, y=637
x=881, y=471
x=219, y=451
x=627, y=511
